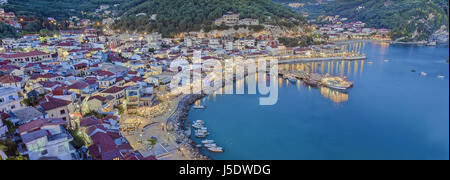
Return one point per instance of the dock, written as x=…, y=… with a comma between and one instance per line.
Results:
x=297, y=60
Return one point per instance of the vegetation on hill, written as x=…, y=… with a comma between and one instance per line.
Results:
x=175, y=16
x=410, y=20
x=7, y=31
x=58, y=9
x=35, y=13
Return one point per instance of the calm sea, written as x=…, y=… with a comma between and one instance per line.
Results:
x=390, y=113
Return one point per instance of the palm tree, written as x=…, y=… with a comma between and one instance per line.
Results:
x=152, y=143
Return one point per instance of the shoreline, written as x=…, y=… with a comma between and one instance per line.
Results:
x=177, y=120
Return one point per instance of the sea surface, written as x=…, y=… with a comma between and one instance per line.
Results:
x=392, y=112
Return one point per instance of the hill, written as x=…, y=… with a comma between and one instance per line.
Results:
x=410, y=20
x=58, y=9
x=175, y=16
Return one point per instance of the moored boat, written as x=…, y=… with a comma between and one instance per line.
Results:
x=216, y=149
x=210, y=145
x=310, y=82
x=207, y=141
x=198, y=107
x=337, y=83
x=292, y=79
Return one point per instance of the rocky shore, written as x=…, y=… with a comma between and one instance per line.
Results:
x=176, y=121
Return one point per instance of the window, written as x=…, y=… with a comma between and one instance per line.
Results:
x=44, y=152
x=63, y=111
x=1, y=100
x=13, y=107
x=11, y=97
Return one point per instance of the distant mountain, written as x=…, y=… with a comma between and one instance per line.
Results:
x=175, y=16
x=410, y=20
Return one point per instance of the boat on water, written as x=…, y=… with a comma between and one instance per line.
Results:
x=198, y=124
x=370, y=62
x=207, y=141
x=216, y=149
x=198, y=107
x=311, y=83
x=201, y=133
x=210, y=145
x=423, y=74
x=292, y=79
x=441, y=77
x=337, y=83
x=386, y=60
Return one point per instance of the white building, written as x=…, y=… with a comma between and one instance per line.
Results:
x=249, y=22
x=46, y=139
x=9, y=99
x=215, y=44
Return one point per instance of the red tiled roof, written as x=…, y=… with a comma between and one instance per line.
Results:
x=54, y=103
x=37, y=124
x=49, y=84
x=113, y=90
x=104, y=142
x=10, y=79
x=89, y=121
x=81, y=65
x=100, y=98
x=104, y=73
x=22, y=55
x=78, y=85
x=8, y=67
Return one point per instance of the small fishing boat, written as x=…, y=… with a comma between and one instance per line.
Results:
x=210, y=145
x=207, y=141
x=216, y=149
x=386, y=60
x=197, y=124
x=199, y=107
x=423, y=74
x=370, y=62
x=441, y=77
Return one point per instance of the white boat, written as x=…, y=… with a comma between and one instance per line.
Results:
x=207, y=141
x=198, y=124
x=423, y=74
x=201, y=133
x=216, y=149
x=386, y=60
x=210, y=145
x=199, y=107
x=370, y=62
x=293, y=80
x=441, y=77
x=198, y=121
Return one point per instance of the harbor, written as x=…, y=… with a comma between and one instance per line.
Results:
x=323, y=123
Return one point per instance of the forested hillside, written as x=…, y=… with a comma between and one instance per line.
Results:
x=410, y=20
x=174, y=16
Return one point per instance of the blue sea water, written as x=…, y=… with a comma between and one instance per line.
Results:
x=390, y=113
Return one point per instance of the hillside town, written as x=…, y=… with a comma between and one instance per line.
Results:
x=90, y=93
